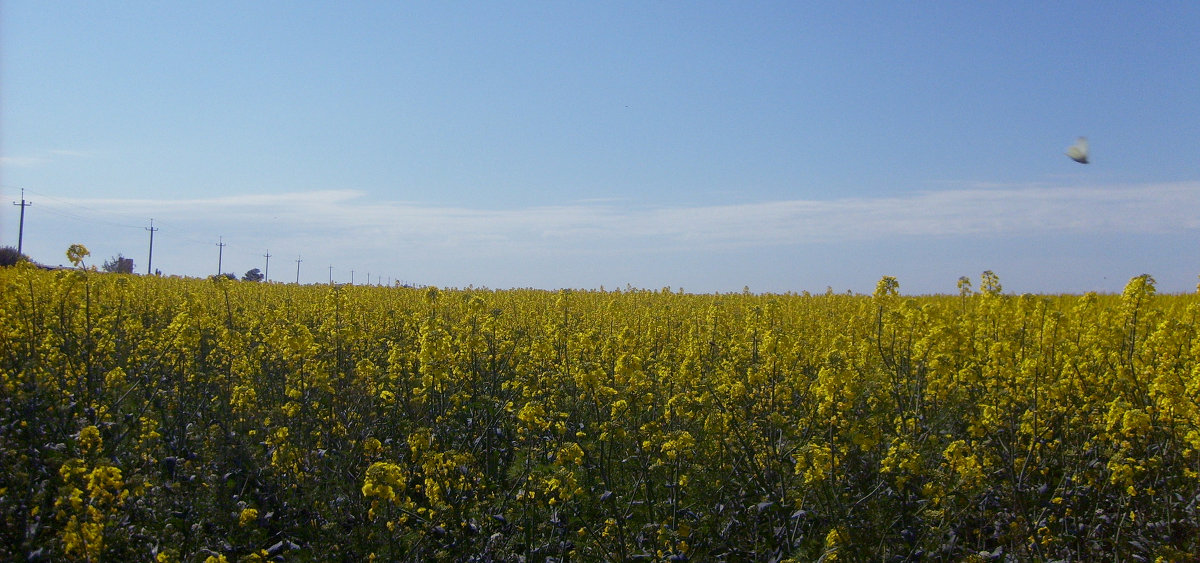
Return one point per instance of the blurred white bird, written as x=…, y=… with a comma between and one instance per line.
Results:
x=1079, y=151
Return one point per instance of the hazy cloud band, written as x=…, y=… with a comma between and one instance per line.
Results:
x=1157, y=208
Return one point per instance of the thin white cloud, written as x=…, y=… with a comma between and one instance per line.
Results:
x=73, y=153
x=42, y=159
x=22, y=161
x=348, y=216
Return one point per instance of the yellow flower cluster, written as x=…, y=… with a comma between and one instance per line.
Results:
x=192, y=420
x=383, y=480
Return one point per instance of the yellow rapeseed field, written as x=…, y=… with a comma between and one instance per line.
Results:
x=147, y=418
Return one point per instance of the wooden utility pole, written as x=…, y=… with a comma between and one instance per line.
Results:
x=220, y=253
x=150, y=258
x=21, y=229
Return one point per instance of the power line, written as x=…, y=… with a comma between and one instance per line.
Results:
x=72, y=209
x=182, y=233
x=101, y=215
x=65, y=208
x=88, y=219
x=90, y=215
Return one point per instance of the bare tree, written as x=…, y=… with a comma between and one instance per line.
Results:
x=10, y=256
x=118, y=265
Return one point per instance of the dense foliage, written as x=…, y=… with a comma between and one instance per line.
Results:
x=214, y=420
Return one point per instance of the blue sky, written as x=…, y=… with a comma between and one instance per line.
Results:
x=783, y=146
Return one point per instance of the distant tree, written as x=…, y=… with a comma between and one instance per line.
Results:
x=10, y=257
x=232, y=276
x=253, y=275
x=118, y=265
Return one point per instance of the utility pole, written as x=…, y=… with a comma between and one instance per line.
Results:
x=220, y=253
x=21, y=231
x=150, y=258
x=267, y=267
x=298, y=270
x=331, y=274
x=351, y=277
